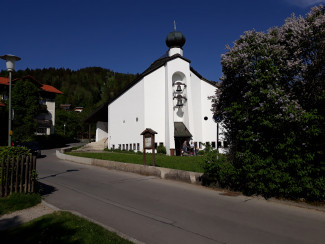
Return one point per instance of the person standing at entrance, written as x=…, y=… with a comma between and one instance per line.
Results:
x=184, y=147
x=192, y=146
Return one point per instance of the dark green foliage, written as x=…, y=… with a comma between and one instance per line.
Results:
x=12, y=152
x=217, y=169
x=25, y=103
x=72, y=121
x=201, y=152
x=272, y=101
x=18, y=201
x=161, y=149
x=88, y=88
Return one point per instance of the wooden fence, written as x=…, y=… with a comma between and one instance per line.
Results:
x=17, y=174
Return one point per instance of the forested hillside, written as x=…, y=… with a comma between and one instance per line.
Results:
x=87, y=87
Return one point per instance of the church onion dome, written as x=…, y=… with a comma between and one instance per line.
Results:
x=175, y=39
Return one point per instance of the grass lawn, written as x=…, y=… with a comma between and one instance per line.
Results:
x=60, y=227
x=18, y=201
x=181, y=163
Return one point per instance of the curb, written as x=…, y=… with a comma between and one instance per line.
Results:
x=163, y=173
x=121, y=234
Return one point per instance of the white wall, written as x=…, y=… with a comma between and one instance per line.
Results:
x=209, y=127
x=154, y=103
x=126, y=117
x=196, y=84
x=101, y=130
x=51, y=108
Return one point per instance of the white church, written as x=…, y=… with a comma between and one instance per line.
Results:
x=169, y=97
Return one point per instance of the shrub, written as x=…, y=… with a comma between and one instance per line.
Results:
x=218, y=170
x=12, y=151
x=161, y=149
x=200, y=152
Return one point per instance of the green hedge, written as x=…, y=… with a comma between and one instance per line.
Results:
x=12, y=151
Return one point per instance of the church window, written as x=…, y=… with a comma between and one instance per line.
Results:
x=225, y=144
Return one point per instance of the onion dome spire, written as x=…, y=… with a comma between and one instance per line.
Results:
x=175, y=38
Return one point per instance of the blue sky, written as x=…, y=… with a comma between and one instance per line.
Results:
x=128, y=35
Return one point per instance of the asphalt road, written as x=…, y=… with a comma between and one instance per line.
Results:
x=156, y=211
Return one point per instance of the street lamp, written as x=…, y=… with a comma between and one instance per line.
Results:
x=10, y=64
x=64, y=128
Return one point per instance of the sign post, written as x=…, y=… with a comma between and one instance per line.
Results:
x=149, y=143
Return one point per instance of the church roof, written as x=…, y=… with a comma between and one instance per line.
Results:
x=101, y=112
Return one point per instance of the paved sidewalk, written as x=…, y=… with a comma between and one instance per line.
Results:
x=25, y=215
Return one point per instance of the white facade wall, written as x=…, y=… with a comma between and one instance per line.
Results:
x=181, y=68
x=101, y=130
x=196, y=84
x=51, y=108
x=126, y=117
x=209, y=127
x=154, y=103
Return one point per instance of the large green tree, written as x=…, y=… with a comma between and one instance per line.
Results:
x=25, y=103
x=68, y=123
x=272, y=101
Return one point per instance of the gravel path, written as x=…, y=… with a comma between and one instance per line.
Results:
x=25, y=215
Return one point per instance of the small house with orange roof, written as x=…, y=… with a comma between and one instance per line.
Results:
x=46, y=119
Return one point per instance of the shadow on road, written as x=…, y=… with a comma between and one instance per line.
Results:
x=44, y=189
x=54, y=175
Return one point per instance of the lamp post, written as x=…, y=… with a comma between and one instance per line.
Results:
x=10, y=64
x=64, y=128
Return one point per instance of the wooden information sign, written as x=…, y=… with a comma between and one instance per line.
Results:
x=149, y=143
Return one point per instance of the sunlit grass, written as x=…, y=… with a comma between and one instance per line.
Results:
x=181, y=163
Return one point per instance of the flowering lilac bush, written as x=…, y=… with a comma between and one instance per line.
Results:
x=272, y=98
